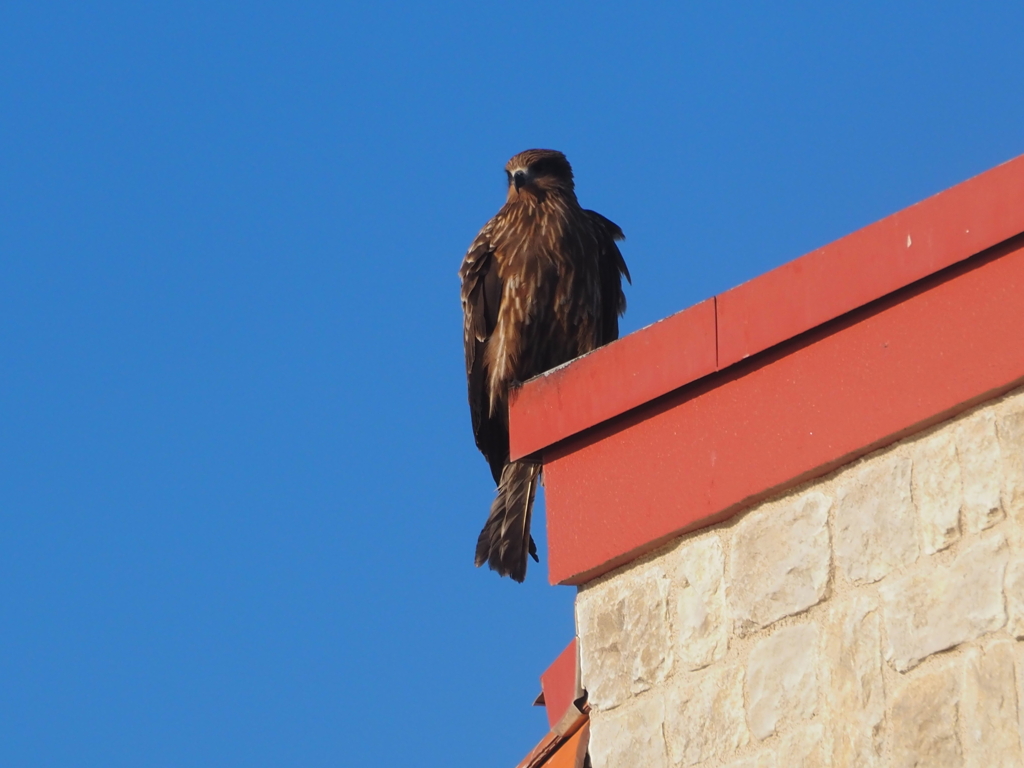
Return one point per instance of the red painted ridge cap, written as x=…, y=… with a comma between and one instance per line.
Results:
x=826, y=283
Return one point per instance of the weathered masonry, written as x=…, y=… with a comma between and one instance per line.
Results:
x=795, y=511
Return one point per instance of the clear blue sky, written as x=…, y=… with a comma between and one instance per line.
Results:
x=238, y=490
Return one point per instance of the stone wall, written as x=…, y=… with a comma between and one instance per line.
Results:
x=871, y=617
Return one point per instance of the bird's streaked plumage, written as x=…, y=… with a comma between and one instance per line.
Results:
x=541, y=284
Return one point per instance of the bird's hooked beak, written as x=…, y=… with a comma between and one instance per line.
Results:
x=519, y=179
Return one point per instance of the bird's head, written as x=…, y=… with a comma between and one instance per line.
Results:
x=536, y=172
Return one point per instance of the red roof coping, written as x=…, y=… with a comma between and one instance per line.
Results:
x=696, y=457
x=559, y=684
x=779, y=305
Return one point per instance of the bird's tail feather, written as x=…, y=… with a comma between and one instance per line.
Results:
x=505, y=540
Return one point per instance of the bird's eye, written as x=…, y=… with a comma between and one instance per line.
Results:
x=508, y=178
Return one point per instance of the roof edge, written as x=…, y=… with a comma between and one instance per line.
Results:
x=789, y=414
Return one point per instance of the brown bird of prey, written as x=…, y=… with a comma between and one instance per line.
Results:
x=541, y=284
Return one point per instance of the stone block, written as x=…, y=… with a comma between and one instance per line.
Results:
x=1010, y=428
x=632, y=736
x=936, y=491
x=704, y=716
x=780, y=560
x=875, y=521
x=942, y=607
x=782, y=681
x=1014, y=587
x=698, y=600
x=625, y=642
x=804, y=748
x=980, y=462
x=990, y=707
x=854, y=691
x=924, y=722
